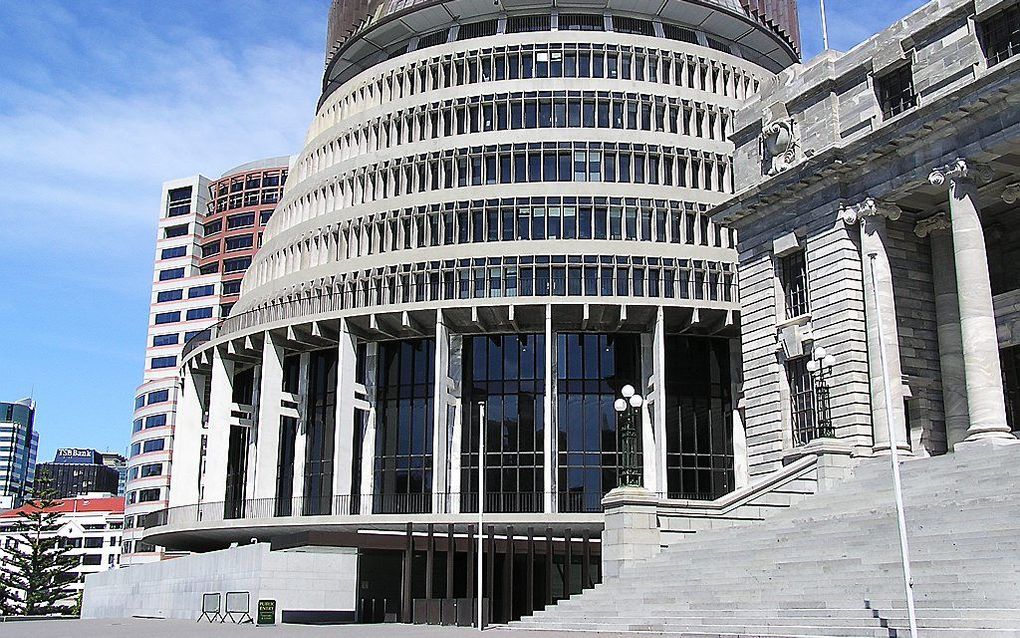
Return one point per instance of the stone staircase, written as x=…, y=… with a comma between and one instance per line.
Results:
x=829, y=565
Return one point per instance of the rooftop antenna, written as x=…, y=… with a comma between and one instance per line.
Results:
x=825, y=28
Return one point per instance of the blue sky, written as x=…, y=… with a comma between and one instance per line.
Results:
x=100, y=102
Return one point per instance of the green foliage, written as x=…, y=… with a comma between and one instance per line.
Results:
x=38, y=568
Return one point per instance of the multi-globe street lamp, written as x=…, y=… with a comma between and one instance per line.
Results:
x=628, y=410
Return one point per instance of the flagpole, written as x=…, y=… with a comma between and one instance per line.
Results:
x=825, y=28
x=901, y=521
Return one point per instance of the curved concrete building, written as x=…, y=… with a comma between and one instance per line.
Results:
x=496, y=224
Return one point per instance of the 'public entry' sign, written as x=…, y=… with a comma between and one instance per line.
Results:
x=266, y=613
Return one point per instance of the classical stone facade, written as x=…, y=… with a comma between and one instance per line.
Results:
x=882, y=237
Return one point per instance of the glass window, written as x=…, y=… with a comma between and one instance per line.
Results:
x=239, y=242
x=320, y=432
x=403, y=460
x=169, y=295
x=164, y=362
x=166, y=340
x=896, y=91
x=168, y=317
x=153, y=445
x=199, y=313
x=802, y=401
x=212, y=227
x=152, y=469
x=201, y=291
x=155, y=421
x=793, y=273
x=159, y=396
x=240, y=220
x=148, y=495
x=171, y=273
x=175, y=251
x=176, y=231
x=236, y=264
x=231, y=287
x=139, y=401
x=1000, y=35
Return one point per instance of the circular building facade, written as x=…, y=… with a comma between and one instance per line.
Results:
x=496, y=224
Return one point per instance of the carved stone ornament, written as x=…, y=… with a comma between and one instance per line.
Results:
x=960, y=169
x=1011, y=194
x=928, y=225
x=780, y=142
x=868, y=208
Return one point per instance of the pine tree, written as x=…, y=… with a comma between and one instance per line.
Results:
x=39, y=565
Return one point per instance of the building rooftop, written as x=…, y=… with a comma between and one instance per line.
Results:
x=98, y=503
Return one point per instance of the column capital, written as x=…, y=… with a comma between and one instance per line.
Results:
x=1011, y=194
x=928, y=225
x=869, y=207
x=960, y=169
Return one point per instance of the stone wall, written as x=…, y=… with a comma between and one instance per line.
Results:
x=298, y=581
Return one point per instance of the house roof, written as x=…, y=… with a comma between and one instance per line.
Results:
x=114, y=505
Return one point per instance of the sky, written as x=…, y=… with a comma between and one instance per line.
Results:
x=100, y=103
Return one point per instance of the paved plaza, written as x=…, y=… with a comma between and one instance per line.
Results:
x=153, y=628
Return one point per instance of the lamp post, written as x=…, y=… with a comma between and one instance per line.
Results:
x=628, y=410
x=819, y=366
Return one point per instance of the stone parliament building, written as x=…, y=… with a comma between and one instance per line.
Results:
x=782, y=262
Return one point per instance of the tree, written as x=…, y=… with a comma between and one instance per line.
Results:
x=39, y=565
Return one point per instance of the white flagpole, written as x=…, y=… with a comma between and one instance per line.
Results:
x=825, y=28
x=481, y=505
x=901, y=521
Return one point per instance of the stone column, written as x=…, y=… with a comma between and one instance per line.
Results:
x=880, y=301
x=301, y=435
x=220, y=400
x=440, y=434
x=188, y=430
x=653, y=429
x=270, y=393
x=343, y=450
x=631, y=531
x=985, y=398
x=947, y=312
x=368, y=443
x=549, y=407
x=741, y=460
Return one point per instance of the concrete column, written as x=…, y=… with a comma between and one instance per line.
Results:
x=653, y=426
x=741, y=461
x=879, y=299
x=368, y=444
x=440, y=433
x=455, y=415
x=268, y=444
x=301, y=434
x=986, y=401
x=220, y=400
x=631, y=533
x=947, y=311
x=343, y=451
x=549, y=403
x=188, y=430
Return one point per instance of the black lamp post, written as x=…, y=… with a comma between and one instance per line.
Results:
x=628, y=411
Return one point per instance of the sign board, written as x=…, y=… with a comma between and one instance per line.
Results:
x=267, y=613
x=77, y=455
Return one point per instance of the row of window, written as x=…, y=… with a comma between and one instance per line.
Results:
x=537, y=61
x=240, y=220
x=149, y=445
x=248, y=198
x=175, y=316
x=193, y=293
x=174, y=338
x=151, y=421
x=526, y=276
x=88, y=542
x=156, y=396
x=157, y=363
x=518, y=163
x=527, y=110
x=145, y=471
x=178, y=201
x=237, y=242
x=508, y=219
x=148, y=495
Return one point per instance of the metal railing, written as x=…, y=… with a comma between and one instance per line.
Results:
x=381, y=504
x=681, y=282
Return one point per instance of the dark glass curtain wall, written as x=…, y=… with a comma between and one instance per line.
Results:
x=591, y=370
x=320, y=432
x=507, y=373
x=403, y=446
x=699, y=418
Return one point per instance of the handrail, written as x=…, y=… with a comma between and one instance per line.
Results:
x=381, y=504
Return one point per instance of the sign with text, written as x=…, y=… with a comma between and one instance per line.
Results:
x=267, y=613
x=76, y=455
